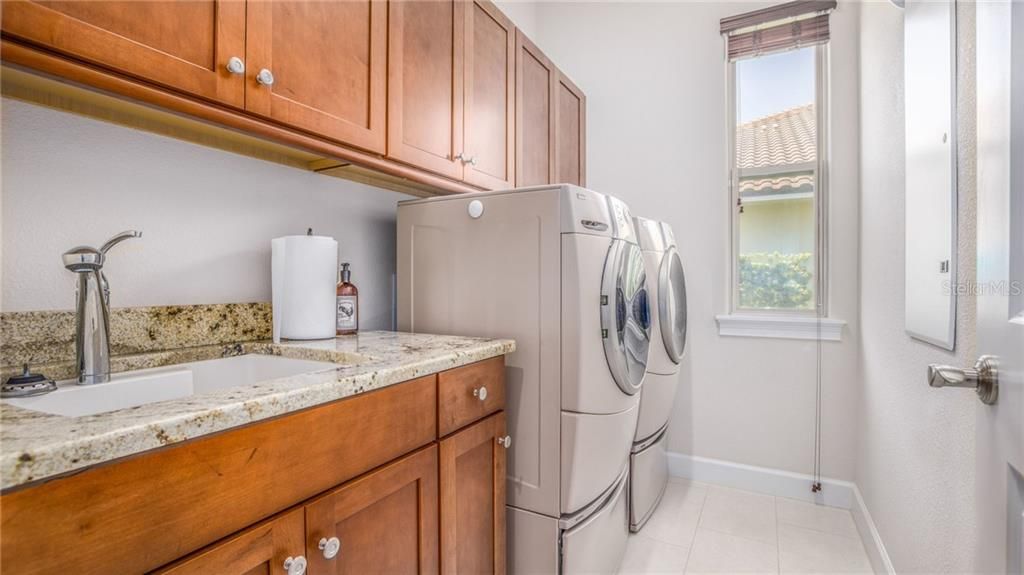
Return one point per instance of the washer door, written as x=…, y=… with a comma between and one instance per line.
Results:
x=672, y=304
x=625, y=315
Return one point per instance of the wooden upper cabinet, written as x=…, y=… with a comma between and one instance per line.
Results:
x=425, y=84
x=489, y=97
x=570, y=133
x=329, y=66
x=185, y=46
x=473, y=499
x=262, y=548
x=383, y=522
x=536, y=78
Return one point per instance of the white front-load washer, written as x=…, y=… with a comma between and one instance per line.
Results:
x=649, y=457
x=558, y=269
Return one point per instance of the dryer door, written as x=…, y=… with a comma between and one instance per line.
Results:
x=625, y=315
x=672, y=304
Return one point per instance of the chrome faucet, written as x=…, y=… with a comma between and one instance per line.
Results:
x=92, y=333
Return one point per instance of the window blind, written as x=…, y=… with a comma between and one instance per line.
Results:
x=782, y=27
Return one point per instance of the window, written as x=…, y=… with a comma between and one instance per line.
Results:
x=777, y=161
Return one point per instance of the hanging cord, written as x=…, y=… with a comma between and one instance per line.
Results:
x=816, y=483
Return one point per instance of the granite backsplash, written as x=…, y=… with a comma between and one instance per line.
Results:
x=46, y=339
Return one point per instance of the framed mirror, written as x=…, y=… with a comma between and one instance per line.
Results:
x=931, y=170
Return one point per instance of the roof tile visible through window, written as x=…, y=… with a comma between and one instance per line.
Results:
x=777, y=142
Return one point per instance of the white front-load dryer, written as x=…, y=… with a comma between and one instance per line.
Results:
x=606, y=336
x=559, y=269
x=648, y=457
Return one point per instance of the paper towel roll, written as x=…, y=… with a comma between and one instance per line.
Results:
x=303, y=286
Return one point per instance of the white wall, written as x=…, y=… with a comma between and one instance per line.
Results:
x=207, y=216
x=654, y=78
x=915, y=457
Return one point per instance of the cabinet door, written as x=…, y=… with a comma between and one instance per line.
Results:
x=535, y=129
x=490, y=97
x=328, y=61
x=182, y=45
x=384, y=522
x=570, y=133
x=473, y=499
x=425, y=84
x=263, y=548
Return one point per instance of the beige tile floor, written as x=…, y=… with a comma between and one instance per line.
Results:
x=702, y=528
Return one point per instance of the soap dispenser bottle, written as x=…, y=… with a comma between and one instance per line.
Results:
x=348, y=304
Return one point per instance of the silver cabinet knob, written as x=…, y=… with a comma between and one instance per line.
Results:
x=460, y=158
x=236, y=65
x=330, y=547
x=265, y=77
x=471, y=161
x=295, y=565
x=480, y=393
x=983, y=378
x=505, y=442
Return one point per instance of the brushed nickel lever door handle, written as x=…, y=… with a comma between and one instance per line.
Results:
x=983, y=378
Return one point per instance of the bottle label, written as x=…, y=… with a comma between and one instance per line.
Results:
x=347, y=311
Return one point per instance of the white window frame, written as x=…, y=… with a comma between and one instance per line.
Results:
x=741, y=318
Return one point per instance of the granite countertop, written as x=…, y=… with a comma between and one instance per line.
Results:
x=35, y=445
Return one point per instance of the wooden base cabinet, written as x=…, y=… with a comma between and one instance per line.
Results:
x=384, y=522
x=473, y=498
x=362, y=485
x=268, y=547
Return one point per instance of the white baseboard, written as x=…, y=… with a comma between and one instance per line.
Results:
x=834, y=493
x=879, y=557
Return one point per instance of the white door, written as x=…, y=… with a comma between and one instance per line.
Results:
x=1000, y=427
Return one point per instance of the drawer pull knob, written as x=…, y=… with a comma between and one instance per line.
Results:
x=265, y=77
x=505, y=442
x=480, y=393
x=295, y=565
x=330, y=547
x=236, y=65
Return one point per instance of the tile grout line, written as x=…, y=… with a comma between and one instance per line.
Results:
x=778, y=546
x=693, y=540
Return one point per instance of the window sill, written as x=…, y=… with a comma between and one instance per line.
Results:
x=780, y=327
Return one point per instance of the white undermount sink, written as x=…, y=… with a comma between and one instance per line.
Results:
x=135, y=388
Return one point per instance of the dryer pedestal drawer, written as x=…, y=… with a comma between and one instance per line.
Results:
x=595, y=448
x=648, y=477
x=597, y=544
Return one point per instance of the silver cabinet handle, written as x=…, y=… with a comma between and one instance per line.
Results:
x=983, y=378
x=471, y=160
x=295, y=565
x=236, y=65
x=505, y=442
x=265, y=77
x=480, y=393
x=330, y=547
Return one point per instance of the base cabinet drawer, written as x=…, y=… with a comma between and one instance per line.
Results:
x=473, y=498
x=469, y=393
x=383, y=522
x=268, y=547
